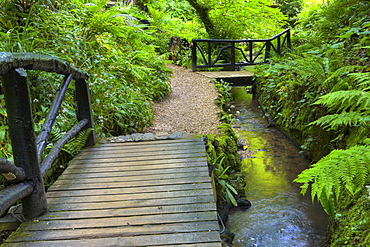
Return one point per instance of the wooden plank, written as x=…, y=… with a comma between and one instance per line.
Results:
x=61, y=205
x=129, y=197
x=127, y=211
x=116, y=231
x=224, y=74
x=8, y=222
x=141, y=156
x=115, y=191
x=153, y=147
x=115, y=179
x=156, y=142
x=118, y=221
x=108, y=172
x=145, y=158
x=137, y=153
x=145, y=240
x=141, y=162
x=63, y=185
x=135, y=166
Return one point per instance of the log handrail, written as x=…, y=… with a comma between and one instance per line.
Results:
x=25, y=176
x=249, y=59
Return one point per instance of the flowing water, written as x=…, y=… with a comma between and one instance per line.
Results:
x=280, y=216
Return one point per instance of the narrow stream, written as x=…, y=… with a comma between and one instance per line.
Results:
x=280, y=216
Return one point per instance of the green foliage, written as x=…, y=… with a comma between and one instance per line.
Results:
x=70, y=149
x=349, y=107
x=125, y=73
x=221, y=176
x=174, y=18
x=244, y=19
x=320, y=96
x=342, y=169
x=290, y=8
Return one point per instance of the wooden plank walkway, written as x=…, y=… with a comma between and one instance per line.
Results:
x=224, y=74
x=154, y=193
x=236, y=78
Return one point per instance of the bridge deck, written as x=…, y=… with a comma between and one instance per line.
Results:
x=129, y=194
x=236, y=78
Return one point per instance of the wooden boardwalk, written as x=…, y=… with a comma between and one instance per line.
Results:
x=236, y=78
x=154, y=193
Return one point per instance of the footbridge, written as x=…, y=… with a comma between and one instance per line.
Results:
x=155, y=193
x=233, y=60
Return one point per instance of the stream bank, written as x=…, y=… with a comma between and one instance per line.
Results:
x=280, y=215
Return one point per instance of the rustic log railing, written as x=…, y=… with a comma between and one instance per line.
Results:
x=227, y=51
x=26, y=175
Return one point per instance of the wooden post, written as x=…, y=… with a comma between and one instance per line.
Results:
x=209, y=52
x=268, y=50
x=22, y=135
x=84, y=110
x=232, y=59
x=194, y=56
x=251, y=61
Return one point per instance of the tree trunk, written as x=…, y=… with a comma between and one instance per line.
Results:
x=202, y=12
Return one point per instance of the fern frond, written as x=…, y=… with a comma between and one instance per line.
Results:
x=333, y=121
x=362, y=80
x=341, y=169
x=352, y=107
x=339, y=74
x=77, y=143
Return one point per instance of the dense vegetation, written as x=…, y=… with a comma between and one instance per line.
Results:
x=319, y=94
x=126, y=74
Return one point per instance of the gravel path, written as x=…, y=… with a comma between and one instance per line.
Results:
x=189, y=108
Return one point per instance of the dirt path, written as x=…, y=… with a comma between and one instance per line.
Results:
x=189, y=108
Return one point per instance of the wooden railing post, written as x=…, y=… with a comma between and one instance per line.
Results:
x=194, y=56
x=268, y=50
x=84, y=109
x=209, y=51
x=250, y=49
x=232, y=59
x=22, y=135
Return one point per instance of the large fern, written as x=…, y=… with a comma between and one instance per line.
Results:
x=339, y=80
x=350, y=107
x=341, y=169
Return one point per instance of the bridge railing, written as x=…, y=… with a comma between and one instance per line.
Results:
x=226, y=53
x=25, y=176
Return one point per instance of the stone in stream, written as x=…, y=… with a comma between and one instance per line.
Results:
x=162, y=136
x=176, y=135
x=137, y=136
x=148, y=137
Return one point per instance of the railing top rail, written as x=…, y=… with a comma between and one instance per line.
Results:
x=25, y=178
x=32, y=61
x=241, y=40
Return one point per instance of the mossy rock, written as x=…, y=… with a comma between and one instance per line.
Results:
x=351, y=226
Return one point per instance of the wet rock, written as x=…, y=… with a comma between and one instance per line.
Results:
x=176, y=135
x=162, y=136
x=243, y=204
x=148, y=137
x=227, y=236
x=126, y=138
x=137, y=136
